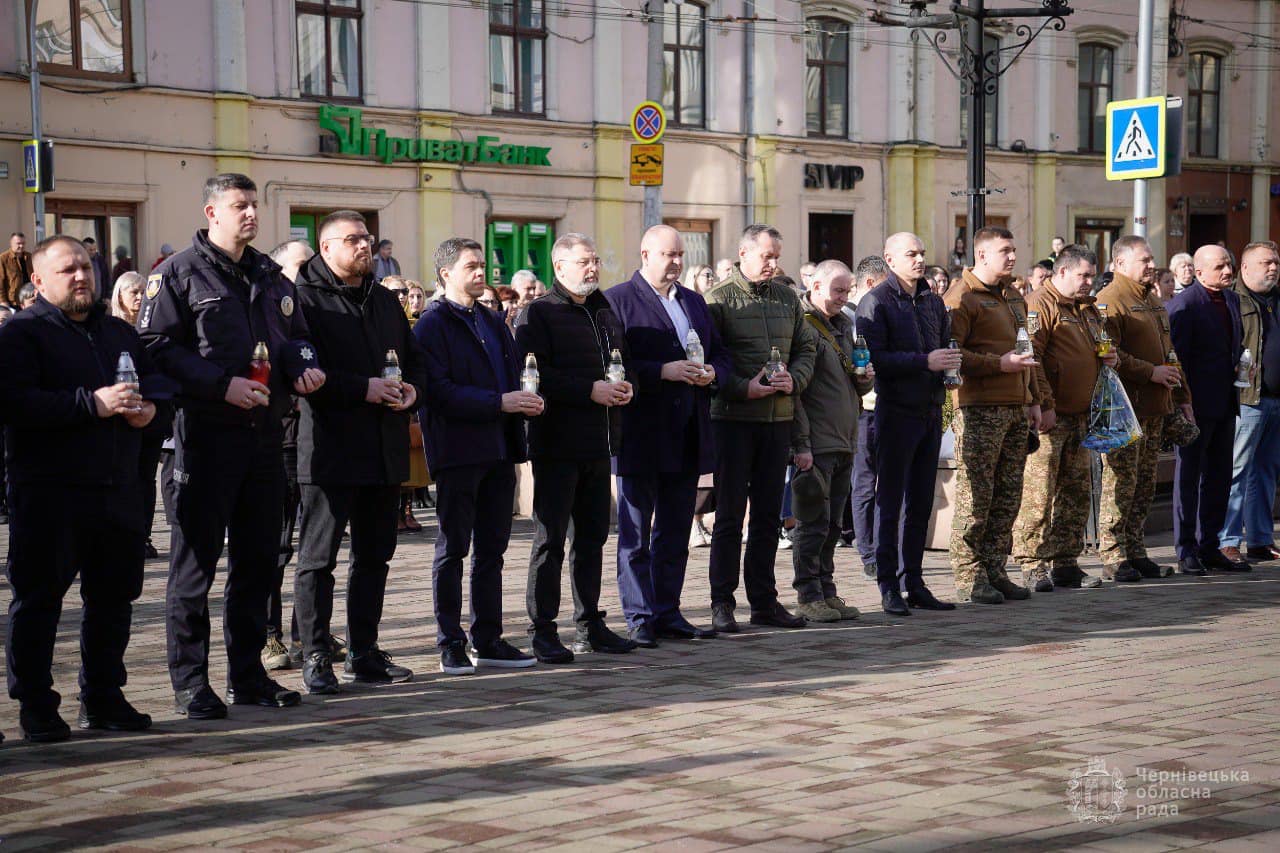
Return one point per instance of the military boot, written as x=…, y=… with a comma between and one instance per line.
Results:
x=980, y=593
x=1038, y=578
x=1006, y=587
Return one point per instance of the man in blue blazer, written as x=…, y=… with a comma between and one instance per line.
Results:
x=1205, y=327
x=473, y=430
x=668, y=436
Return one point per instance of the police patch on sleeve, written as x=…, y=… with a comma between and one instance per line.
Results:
x=286, y=306
x=153, y=285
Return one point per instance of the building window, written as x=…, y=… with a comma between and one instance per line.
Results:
x=84, y=38
x=330, y=44
x=1204, y=94
x=684, y=80
x=517, y=56
x=1094, y=75
x=990, y=104
x=826, y=81
x=698, y=236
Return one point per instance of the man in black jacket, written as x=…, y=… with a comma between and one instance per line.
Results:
x=205, y=309
x=73, y=440
x=473, y=429
x=353, y=450
x=572, y=331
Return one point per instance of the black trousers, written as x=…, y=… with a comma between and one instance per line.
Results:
x=326, y=511
x=148, y=462
x=56, y=532
x=567, y=491
x=906, y=468
x=862, y=500
x=473, y=503
x=752, y=465
x=228, y=482
x=292, y=497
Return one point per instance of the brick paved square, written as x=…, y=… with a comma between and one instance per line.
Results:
x=938, y=731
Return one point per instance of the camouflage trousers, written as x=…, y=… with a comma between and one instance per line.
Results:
x=991, y=449
x=1128, y=485
x=1049, y=533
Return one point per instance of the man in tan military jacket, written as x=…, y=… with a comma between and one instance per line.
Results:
x=997, y=403
x=1139, y=327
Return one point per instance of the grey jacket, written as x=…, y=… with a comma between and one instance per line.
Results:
x=751, y=317
x=826, y=416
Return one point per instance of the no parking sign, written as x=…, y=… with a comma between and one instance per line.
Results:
x=648, y=122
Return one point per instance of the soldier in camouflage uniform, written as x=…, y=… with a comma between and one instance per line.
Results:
x=1049, y=534
x=997, y=402
x=1139, y=328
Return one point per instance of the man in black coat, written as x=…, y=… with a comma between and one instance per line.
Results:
x=353, y=450
x=72, y=434
x=572, y=331
x=473, y=429
x=204, y=311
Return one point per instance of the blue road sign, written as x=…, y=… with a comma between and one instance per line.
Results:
x=1136, y=139
x=31, y=166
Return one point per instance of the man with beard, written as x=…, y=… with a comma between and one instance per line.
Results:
x=73, y=446
x=668, y=436
x=206, y=309
x=755, y=311
x=571, y=331
x=996, y=405
x=906, y=328
x=1139, y=327
x=353, y=450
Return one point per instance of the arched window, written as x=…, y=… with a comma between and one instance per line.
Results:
x=1204, y=94
x=826, y=82
x=684, y=80
x=1096, y=73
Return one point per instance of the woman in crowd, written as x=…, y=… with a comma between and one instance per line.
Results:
x=126, y=302
x=415, y=299
x=699, y=278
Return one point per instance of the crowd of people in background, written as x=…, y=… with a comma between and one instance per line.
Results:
x=317, y=391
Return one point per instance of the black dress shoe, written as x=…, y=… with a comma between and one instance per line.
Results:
x=722, y=619
x=42, y=725
x=1191, y=565
x=151, y=552
x=199, y=703
x=777, y=617
x=922, y=599
x=1149, y=568
x=113, y=714
x=1262, y=553
x=644, y=637
x=891, y=601
x=265, y=694
x=547, y=648
x=595, y=636
x=679, y=628
x=1222, y=563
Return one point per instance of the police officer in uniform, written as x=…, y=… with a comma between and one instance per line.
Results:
x=74, y=440
x=205, y=309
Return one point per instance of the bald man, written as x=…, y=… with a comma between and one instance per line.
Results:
x=667, y=436
x=907, y=329
x=1205, y=324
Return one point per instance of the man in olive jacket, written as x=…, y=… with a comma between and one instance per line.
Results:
x=751, y=415
x=824, y=434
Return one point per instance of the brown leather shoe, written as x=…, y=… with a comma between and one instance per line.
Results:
x=1234, y=556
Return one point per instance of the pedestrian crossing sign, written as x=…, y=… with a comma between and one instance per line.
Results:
x=1136, y=139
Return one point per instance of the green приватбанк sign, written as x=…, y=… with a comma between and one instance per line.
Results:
x=354, y=139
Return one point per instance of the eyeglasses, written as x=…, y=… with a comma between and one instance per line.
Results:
x=399, y=291
x=353, y=239
x=488, y=303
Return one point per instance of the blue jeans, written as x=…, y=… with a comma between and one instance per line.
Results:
x=1255, y=467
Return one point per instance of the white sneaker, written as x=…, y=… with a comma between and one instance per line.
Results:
x=784, y=540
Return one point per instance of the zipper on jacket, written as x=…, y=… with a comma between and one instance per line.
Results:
x=608, y=431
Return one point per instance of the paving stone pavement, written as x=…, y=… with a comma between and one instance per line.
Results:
x=938, y=731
